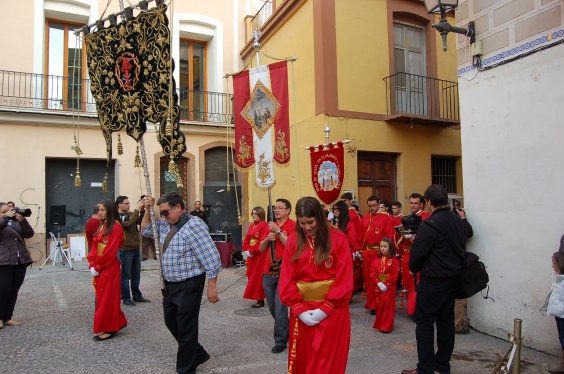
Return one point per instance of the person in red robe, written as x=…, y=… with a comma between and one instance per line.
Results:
x=92, y=225
x=105, y=267
x=384, y=272
x=257, y=232
x=316, y=283
x=416, y=204
x=342, y=222
x=376, y=227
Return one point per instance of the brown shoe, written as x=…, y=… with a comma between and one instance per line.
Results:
x=259, y=304
x=409, y=371
x=13, y=322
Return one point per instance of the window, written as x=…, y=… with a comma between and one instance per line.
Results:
x=443, y=172
x=192, y=80
x=65, y=67
x=168, y=180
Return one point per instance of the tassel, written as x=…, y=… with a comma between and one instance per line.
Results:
x=239, y=219
x=172, y=168
x=77, y=180
x=294, y=348
x=179, y=183
x=402, y=294
x=105, y=183
x=120, y=146
x=138, y=162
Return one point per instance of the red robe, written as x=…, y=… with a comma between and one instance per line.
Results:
x=288, y=228
x=376, y=227
x=92, y=225
x=386, y=270
x=408, y=280
x=258, y=231
x=108, y=316
x=324, y=347
x=358, y=279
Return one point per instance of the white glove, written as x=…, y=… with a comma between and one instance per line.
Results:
x=246, y=255
x=318, y=315
x=94, y=272
x=331, y=216
x=307, y=318
x=382, y=287
x=358, y=255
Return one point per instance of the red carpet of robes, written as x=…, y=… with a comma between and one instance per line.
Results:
x=255, y=265
x=108, y=316
x=322, y=348
x=385, y=270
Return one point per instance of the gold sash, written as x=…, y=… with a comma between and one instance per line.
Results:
x=253, y=241
x=101, y=247
x=372, y=247
x=314, y=291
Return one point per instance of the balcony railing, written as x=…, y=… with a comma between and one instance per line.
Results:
x=262, y=16
x=416, y=98
x=56, y=94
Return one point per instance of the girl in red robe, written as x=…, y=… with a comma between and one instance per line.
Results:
x=384, y=272
x=342, y=222
x=316, y=283
x=257, y=232
x=105, y=267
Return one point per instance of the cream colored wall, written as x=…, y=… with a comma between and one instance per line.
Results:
x=16, y=43
x=362, y=54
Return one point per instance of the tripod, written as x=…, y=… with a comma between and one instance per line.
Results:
x=58, y=254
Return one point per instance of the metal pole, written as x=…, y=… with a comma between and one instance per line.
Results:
x=516, y=363
x=271, y=212
x=152, y=213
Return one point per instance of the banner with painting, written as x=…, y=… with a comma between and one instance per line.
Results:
x=327, y=171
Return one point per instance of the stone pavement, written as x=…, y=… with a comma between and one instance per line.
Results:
x=56, y=307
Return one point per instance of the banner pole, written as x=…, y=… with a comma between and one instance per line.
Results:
x=271, y=212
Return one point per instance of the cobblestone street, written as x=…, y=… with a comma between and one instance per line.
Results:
x=56, y=308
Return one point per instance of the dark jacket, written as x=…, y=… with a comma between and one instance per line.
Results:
x=201, y=214
x=11, y=245
x=431, y=253
x=131, y=232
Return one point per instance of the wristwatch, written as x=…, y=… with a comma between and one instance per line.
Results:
x=279, y=232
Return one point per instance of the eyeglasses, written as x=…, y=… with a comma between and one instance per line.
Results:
x=164, y=213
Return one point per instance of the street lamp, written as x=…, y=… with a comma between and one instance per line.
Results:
x=442, y=7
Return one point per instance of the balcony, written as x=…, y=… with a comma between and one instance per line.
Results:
x=55, y=94
x=418, y=99
x=264, y=13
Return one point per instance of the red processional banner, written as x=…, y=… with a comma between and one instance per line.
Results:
x=262, y=126
x=327, y=171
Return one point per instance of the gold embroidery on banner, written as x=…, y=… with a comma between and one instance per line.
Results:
x=244, y=151
x=263, y=169
x=280, y=147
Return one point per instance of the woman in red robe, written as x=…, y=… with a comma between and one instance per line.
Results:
x=258, y=231
x=343, y=223
x=384, y=272
x=316, y=283
x=105, y=267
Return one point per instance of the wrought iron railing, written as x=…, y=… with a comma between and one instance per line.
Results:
x=262, y=16
x=422, y=97
x=50, y=93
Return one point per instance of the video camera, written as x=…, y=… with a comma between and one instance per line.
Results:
x=409, y=224
x=26, y=212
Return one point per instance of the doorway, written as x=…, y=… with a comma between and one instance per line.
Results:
x=376, y=176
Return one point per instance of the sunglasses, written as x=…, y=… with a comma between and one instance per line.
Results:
x=164, y=213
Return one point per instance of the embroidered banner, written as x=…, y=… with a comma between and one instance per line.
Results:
x=260, y=104
x=130, y=71
x=327, y=171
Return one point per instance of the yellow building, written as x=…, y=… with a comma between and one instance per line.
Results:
x=375, y=73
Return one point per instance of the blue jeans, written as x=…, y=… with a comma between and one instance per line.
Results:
x=130, y=271
x=278, y=310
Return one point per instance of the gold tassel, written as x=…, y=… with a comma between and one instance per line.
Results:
x=105, y=183
x=138, y=162
x=120, y=146
x=77, y=180
x=294, y=348
x=179, y=183
x=172, y=167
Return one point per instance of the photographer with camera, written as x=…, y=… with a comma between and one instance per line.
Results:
x=14, y=258
x=279, y=232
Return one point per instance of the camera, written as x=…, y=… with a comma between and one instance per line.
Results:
x=409, y=224
x=26, y=212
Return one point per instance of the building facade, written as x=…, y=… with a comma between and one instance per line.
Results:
x=511, y=125
x=375, y=73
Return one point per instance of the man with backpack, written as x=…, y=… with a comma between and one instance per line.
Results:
x=437, y=253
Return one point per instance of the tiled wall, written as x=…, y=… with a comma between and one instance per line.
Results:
x=508, y=27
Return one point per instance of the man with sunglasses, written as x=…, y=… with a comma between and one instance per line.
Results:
x=188, y=255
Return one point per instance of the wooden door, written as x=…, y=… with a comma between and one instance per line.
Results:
x=376, y=176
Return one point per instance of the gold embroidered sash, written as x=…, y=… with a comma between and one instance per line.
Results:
x=101, y=247
x=314, y=291
x=372, y=247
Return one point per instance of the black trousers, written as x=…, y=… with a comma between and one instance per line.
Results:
x=11, y=279
x=181, y=311
x=435, y=305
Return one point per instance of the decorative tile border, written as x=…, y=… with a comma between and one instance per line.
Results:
x=545, y=39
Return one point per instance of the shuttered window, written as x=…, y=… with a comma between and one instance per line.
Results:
x=443, y=171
